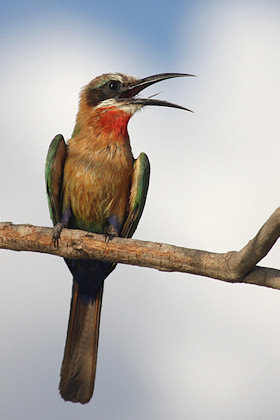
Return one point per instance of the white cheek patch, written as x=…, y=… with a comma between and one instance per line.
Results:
x=107, y=103
x=128, y=108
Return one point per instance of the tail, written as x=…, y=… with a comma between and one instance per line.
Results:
x=80, y=353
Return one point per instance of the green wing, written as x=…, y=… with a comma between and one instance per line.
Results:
x=138, y=194
x=54, y=176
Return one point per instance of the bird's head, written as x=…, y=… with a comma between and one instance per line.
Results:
x=115, y=96
x=121, y=91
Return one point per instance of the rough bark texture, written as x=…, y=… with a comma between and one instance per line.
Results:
x=230, y=266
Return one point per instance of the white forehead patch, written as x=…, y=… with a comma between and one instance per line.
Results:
x=116, y=76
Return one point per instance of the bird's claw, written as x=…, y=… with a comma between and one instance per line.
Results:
x=109, y=236
x=111, y=229
x=56, y=233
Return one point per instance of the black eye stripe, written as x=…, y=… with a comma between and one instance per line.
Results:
x=110, y=89
x=95, y=96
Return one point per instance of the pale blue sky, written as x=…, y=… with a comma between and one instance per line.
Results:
x=172, y=346
x=151, y=23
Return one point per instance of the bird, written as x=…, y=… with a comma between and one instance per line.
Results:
x=95, y=184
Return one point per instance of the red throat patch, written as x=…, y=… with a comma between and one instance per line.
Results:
x=114, y=120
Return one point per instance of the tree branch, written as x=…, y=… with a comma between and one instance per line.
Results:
x=230, y=266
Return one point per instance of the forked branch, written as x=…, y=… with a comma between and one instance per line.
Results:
x=231, y=266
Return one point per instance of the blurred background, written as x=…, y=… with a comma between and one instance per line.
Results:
x=172, y=346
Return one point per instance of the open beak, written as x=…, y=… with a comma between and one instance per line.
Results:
x=130, y=91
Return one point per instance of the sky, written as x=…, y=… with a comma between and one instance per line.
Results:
x=172, y=345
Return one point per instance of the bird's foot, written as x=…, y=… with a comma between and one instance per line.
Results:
x=109, y=236
x=112, y=228
x=64, y=222
x=56, y=233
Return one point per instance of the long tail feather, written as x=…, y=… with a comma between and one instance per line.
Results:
x=80, y=353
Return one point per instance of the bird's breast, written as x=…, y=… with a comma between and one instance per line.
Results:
x=97, y=185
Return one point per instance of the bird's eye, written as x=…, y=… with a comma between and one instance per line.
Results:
x=113, y=84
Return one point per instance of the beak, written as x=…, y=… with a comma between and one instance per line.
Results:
x=130, y=91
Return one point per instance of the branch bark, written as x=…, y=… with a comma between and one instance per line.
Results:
x=233, y=266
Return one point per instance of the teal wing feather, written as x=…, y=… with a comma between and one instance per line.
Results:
x=54, y=176
x=138, y=195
